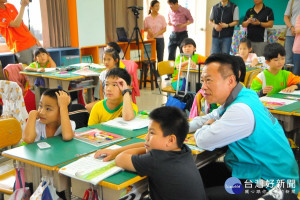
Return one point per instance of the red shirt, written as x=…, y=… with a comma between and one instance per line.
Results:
x=17, y=39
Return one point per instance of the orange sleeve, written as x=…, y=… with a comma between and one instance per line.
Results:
x=201, y=59
x=292, y=79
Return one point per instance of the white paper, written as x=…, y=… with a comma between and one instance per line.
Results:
x=86, y=165
x=296, y=92
x=80, y=65
x=86, y=72
x=50, y=69
x=137, y=123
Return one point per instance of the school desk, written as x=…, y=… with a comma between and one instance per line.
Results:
x=55, y=79
x=114, y=186
x=285, y=113
x=44, y=162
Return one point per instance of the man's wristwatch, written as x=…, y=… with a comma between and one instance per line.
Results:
x=126, y=90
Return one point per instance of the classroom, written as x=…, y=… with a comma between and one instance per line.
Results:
x=149, y=99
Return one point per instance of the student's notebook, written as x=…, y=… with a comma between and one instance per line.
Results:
x=139, y=122
x=86, y=72
x=90, y=169
x=98, y=137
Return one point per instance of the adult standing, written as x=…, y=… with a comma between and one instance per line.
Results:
x=239, y=123
x=257, y=19
x=18, y=38
x=155, y=24
x=296, y=48
x=223, y=16
x=290, y=16
x=179, y=18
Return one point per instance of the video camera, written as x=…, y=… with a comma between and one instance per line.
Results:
x=135, y=9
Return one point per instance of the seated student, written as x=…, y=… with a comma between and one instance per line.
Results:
x=275, y=79
x=188, y=46
x=111, y=60
x=118, y=101
x=168, y=163
x=51, y=119
x=244, y=52
x=116, y=47
x=258, y=149
x=42, y=61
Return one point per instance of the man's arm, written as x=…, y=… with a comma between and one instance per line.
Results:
x=236, y=123
x=198, y=122
x=18, y=20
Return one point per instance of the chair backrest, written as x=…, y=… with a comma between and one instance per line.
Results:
x=131, y=68
x=165, y=67
x=11, y=73
x=79, y=114
x=10, y=132
x=251, y=77
x=13, y=101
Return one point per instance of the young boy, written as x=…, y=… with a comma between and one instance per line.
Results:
x=274, y=79
x=118, y=101
x=51, y=119
x=163, y=157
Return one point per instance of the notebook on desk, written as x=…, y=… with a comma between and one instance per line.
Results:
x=139, y=122
x=90, y=169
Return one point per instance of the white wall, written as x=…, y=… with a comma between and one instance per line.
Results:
x=91, y=24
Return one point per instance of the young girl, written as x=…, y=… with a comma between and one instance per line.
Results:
x=43, y=60
x=51, y=119
x=111, y=60
x=188, y=46
x=244, y=52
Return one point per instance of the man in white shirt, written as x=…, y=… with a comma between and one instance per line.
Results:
x=258, y=149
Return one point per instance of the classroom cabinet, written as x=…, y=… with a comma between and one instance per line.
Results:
x=61, y=56
x=130, y=54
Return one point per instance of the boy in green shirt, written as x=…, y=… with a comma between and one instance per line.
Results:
x=275, y=79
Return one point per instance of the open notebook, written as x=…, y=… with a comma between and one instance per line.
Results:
x=90, y=169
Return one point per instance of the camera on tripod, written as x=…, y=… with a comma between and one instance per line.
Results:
x=135, y=9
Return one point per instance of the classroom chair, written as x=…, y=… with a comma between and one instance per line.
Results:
x=10, y=134
x=250, y=79
x=164, y=68
x=144, y=73
x=79, y=114
x=13, y=102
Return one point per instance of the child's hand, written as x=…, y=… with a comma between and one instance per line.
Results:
x=267, y=89
x=122, y=84
x=63, y=99
x=40, y=70
x=110, y=154
x=34, y=114
x=290, y=89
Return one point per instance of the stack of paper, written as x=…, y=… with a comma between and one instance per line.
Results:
x=86, y=72
x=139, y=122
x=273, y=103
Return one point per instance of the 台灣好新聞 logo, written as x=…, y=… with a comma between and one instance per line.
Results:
x=233, y=185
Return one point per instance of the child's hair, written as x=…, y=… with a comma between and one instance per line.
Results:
x=187, y=41
x=272, y=50
x=247, y=41
x=39, y=51
x=172, y=120
x=153, y=2
x=173, y=1
x=226, y=62
x=51, y=93
x=114, y=54
x=119, y=73
x=115, y=46
x=241, y=65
